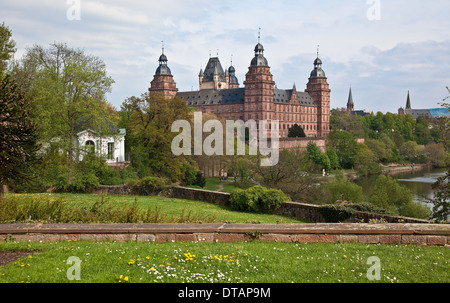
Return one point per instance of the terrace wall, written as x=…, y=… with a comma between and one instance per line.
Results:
x=399, y=233
x=301, y=211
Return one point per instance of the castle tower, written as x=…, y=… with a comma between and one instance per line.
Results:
x=259, y=88
x=350, y=104
x=233, y=81
x=163, y=80
x=213, y=77
x=319, y=91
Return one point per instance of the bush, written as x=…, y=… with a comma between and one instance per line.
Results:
x=200, y=180
x=340, y=189
x=148, y=186
x=335, y=213
x=370, y=208
x=257, y=199
x=83, y=183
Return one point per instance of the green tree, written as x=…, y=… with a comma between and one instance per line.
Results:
x=422, y=134
x=316, y=156
x=296, y=131
x=332, y=156
x=18, y=145
x=345, y=146
x=366, y=161
x=344, y=190
x=7, y=47
x=441, y=200
x=381, y=152
x=411, y=151
x=293, y=175
x=390, y=195
x=69, y=93
x=150, y=121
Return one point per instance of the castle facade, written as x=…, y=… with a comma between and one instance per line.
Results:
x=258, y=99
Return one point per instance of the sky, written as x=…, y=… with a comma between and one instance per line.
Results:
x=381, y=48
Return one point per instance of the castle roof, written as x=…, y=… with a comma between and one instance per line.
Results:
x=237, y=96
x=213, y=96
x=213, y=68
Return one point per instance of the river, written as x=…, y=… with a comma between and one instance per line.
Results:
x=419, y=182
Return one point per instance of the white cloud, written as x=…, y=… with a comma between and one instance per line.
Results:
x=381, y=59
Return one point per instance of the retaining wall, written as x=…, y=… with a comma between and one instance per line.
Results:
x=399, y=233
x=301, y=211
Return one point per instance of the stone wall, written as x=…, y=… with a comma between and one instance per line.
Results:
x=215, y=197
x=115, y=190
x=302, y=143
x=301, y=211
x=400, y=233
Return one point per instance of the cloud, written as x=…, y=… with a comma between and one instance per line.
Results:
x=407, y=49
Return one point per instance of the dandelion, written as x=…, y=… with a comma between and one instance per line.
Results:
x=125, y=279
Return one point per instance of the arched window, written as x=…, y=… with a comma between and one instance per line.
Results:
x=90, y=146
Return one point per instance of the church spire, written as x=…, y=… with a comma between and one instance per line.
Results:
x=408, y=102
x=350, y=104
x=350, y=97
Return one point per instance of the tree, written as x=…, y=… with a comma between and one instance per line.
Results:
x=381, y=152
x=334, y=160
x=441, y=200
x=316, y=156
x=7, y=47
x=345, y=146
x=344, y=190
x=68, y=89
x=366, y=161
x=422, y=132
x=410, y=150
x=292, y=175
x=435, y=154
x=17, y=134
x=296, y=131
x=390, y=195
x=150, y=121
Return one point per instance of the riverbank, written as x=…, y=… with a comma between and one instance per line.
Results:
x=393, y=169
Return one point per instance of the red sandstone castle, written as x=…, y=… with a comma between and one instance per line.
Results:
x=220, y=93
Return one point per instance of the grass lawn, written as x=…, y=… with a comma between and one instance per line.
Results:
x=199, y=211
x=252, y=262
x=215, y=184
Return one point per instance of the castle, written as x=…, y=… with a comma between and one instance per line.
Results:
x=259, y=98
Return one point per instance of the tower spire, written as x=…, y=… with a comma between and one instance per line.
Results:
x=408, y=102
x=162, y=46
x=259, y=35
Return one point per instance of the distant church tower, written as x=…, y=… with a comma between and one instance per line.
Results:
x=408, y=102
x=350, y=104
x=163, y=80
x=259, y=87
x=402, y=111
x=319, y=90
